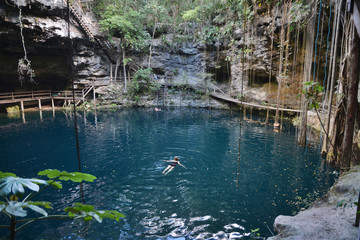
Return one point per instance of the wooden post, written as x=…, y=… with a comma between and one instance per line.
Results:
x=94, y=96
x=52, y=104
x=39, y=104
x=23, y=117
x=12, y=96
x=111, y=71
x=22, y=106
x=32, y=94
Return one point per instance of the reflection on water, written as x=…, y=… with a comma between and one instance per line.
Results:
x=215, y=197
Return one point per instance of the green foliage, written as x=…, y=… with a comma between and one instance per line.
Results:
x=255, y=233
x=12, y=188
x=191, y=15
x=88, y=212
x=126, y=22
x=65, y=176
x=142, y=83
x=311, y=91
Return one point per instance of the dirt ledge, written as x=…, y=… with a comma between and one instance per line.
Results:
x=324, y=219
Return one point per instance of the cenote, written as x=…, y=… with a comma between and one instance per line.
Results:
x=215, y=197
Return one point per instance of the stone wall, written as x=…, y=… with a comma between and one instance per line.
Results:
x=45, y=31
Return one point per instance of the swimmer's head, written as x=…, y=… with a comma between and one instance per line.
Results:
x=176, y=158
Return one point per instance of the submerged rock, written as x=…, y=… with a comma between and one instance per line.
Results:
x=331, y=217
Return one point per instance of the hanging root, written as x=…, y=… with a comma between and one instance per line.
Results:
x=25, y=70
x=24, y=64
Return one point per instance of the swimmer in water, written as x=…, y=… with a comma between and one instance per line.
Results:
x=172, y=165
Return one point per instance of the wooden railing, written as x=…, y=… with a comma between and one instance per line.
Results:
x=36, y=95
x=14, y=96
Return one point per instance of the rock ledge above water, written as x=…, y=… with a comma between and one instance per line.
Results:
x=324, y=219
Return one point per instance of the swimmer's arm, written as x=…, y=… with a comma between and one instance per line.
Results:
x=181, y=165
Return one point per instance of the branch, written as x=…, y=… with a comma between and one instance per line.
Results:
x=4, y=226
x=317, y=113
x=31, y=220
x=42, y=189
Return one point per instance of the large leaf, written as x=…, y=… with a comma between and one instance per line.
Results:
x=15, y=185
x=74, y=176
x=111, y=214
x=6, y=174
x=88, y=212
x=16, y=209
x=37, y=209
x=55, y=184
x=41, y=203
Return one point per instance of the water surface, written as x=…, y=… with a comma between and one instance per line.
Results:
x=215, y=197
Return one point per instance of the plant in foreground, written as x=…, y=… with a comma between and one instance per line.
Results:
x=12, y=189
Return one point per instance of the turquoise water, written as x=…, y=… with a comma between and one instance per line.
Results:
x=215, y=197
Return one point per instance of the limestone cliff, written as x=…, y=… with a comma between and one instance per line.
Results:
x=45, y=32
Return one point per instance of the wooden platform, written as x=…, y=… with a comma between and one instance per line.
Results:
x=258, y=106
x=42, y=95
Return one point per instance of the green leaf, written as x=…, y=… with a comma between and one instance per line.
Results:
x=16, y=185
x=87, y=212
x=37, y=209
x=41, y=203
x=66, y=176
x=6, y=174
x=111, y=214
x=55, y=184
x=50, y=173
x=16, y=209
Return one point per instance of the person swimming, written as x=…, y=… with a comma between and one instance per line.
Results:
x=172, y=165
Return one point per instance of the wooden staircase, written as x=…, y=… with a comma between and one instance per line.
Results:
x=85, y=91
x=86, y=26
x=162, y=95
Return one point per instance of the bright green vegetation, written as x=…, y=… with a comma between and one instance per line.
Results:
x=12, y=189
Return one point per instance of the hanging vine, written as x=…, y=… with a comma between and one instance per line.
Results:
x=24, y=64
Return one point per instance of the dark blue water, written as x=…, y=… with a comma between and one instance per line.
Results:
x=215, y=197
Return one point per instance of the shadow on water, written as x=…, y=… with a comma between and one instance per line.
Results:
x=220, y=195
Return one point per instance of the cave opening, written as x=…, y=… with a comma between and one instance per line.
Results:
x=221, y=72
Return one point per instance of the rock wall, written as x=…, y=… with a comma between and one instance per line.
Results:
x=327, y=218
x=45, y=32
x=200, y=66
x=221, y=63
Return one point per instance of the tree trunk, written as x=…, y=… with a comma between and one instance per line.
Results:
x=351, y=102
x=310, y=38
x=12, y=228
x=124, y=64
